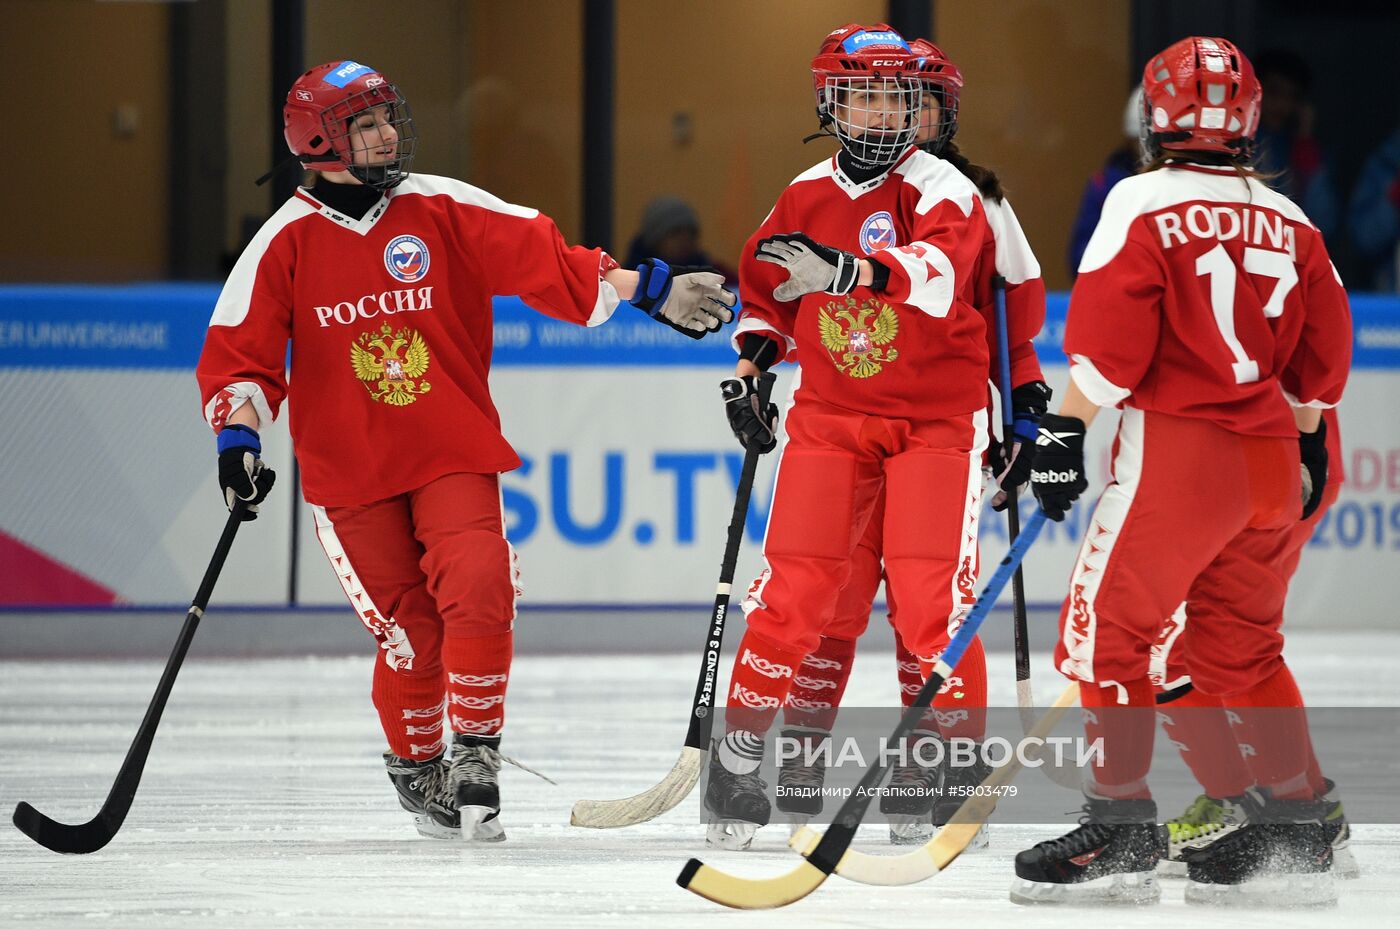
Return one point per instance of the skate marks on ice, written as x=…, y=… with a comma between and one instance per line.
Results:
x=265, y=803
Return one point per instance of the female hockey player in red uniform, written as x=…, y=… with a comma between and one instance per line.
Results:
x=1207, y=308
x=892, y=396
x=382, y=281
x=821, y=679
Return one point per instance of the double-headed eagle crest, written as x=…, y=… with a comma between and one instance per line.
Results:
x=856, y=347
x=391, y=363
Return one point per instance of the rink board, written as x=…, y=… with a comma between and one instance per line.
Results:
x=108, y=497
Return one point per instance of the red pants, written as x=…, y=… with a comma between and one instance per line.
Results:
x=432, y=577
x=1168, y=662
x=1194, y=513
x=832, y=470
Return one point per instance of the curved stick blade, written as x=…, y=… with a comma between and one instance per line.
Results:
x=61, y=837
x=744, y=893
x=649, y=804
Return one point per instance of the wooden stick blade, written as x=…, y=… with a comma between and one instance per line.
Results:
x=647, y=805
x=744, y=893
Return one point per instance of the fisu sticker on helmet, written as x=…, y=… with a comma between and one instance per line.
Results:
x=406, y=258
x=346, y=72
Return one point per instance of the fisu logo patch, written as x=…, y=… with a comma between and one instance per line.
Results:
x=406, y=258
x=877, y=232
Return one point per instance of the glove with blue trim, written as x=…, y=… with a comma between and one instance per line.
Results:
x=690, y=299
x=1013, y=464
x=242, y=475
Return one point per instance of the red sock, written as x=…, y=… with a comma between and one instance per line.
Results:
x=819, y=683
x=911, y=676
x=410, y=710
x=1126, y=729
x=960, y=706
x=759, y=683
x=1272, y=730
x=478, y=670
x=1197, y=725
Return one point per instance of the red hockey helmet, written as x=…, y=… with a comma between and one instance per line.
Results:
x=941, y=78
x=866, y=82
x=320, y=107
x=1200, y=95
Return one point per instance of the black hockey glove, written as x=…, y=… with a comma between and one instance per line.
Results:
x=811, y=267
x=1312, y=448
x=1057, y=470
x=749, y=424
x=1012, y=461
x=242, y=475
x=690, y=299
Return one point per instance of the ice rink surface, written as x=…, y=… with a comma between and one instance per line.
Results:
x=265, y=804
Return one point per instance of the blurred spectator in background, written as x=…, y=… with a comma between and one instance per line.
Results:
x=1374, y=219
x=1121, y=162
x=1285, y=145
x=671, y=231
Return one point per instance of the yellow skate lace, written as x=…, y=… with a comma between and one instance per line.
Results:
x=1204, y=816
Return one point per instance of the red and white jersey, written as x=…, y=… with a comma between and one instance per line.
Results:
x=390, y=324
x=1202, y=295
x=1007, y=252
x=919, y=348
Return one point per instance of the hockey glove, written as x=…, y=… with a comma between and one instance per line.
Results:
x=1057, y=469
x=691, y=300
x=1312, y=447
x=750, y=425
x=811, y=267
x=1028, y=403
x=242, y=475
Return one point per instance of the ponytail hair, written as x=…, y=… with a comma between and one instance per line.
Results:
x=986, y=180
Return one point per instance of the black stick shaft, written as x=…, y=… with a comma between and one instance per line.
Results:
x=1021, y=636
x=703, y=705
x=93, y=835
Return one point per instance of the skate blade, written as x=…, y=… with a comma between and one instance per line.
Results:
x=1275, y=891
x=430, y=828
x=1131, y=889
x=906, y=829
x=476, y=827
x=1168, y=868
x=733, y=835
x=1344, y=866
x=797, y=822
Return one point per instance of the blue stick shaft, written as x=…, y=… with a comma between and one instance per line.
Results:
x=954, y=652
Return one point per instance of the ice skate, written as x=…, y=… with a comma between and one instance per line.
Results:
x=1110, y=859
x=1203, y=822
x=960, y=783
x=799, y=782
x=907, y=802
x=476, y=762
x=1280, y=856
x=736, y=798
x=1338, y=832
x=424, y=792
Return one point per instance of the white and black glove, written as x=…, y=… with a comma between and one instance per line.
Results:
x=1312, y=450
x=1012, y=460
x=750, y=424
x=691, y=300
x=1057, y=470
x=812, y=267
x=242, y=475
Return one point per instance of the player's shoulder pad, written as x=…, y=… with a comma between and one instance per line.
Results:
x=431, y=185
x=1015, y=260
x=822, y=169
x=1130, y=198
x=937, y=180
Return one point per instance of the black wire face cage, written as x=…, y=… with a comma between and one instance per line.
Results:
x=875, y=118
x=339, y=119
x=947, y=126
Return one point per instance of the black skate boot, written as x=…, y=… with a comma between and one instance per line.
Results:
x=960, y=782
x=1338, y=832
x=476, y=761
x=1281, y=856
x=1206, y=820
x=1110, y=859
x=800, y=779
x=907, y=802
x=736, y=798
x=425, y=793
